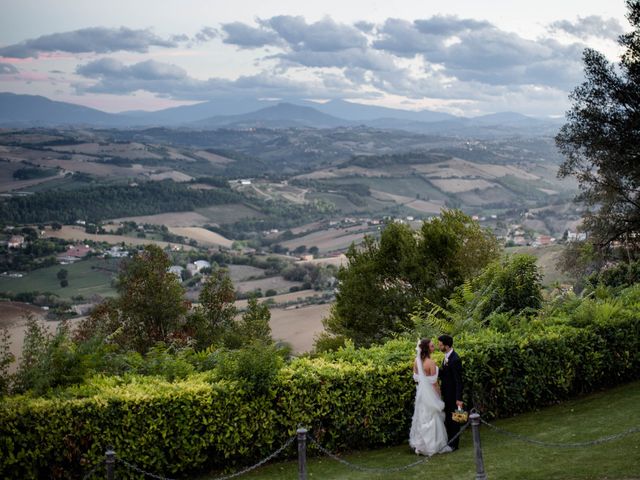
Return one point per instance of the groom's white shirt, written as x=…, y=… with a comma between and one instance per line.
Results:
x=447, y=355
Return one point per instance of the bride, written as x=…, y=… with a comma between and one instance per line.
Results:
x=428, y=434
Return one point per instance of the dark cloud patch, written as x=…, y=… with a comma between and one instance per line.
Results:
x=591, y=26
x=8, y=69
x=365, y=26
x=325, y=35
x=471, y=50
x=149, y=70
x=94, y=39
x=179, y=38
x=351, y=58
x=445, y=25
x=205, y=34
x=245, y=36
x=113, y=77
x=402, y=38
x=294, y=33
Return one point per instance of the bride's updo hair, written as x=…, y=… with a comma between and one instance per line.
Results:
x=424, y=348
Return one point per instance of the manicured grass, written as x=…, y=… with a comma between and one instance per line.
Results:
x=86, y=277
x=579, y=420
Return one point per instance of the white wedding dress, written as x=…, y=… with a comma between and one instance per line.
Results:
x=428, y=434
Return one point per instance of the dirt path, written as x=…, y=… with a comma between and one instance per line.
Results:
x=13, y=318
x=298, y=326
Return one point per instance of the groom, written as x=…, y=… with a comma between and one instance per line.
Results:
x=450, y=375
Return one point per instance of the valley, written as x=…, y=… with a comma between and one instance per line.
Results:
x=262, y=199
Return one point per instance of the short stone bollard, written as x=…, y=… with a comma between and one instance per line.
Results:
x=477, y=447
x=110, y=463
x=302, y=453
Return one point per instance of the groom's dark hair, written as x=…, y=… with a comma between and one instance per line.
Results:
x=446, y=340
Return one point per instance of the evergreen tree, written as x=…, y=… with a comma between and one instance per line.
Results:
x=601, y=141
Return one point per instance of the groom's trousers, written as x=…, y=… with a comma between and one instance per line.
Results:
x=452, y=427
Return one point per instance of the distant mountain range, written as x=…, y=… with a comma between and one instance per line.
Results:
x=29, y=110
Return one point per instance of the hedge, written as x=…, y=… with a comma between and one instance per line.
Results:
x=351, y=399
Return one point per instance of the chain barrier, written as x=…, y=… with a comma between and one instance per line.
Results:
x=608, y=438
x=224, y=477
x=362, y=468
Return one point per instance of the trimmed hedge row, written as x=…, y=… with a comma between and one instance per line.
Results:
x=352, y=399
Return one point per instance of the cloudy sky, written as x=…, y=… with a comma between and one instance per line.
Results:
x=466, y=57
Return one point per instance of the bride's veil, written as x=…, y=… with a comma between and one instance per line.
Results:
x=419, y=363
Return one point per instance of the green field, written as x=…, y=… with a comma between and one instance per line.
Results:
x=409, y=186
x=86, y=277
x=230, y=213
x=580, y=420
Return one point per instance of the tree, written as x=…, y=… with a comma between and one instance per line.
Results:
x=385, y=279
x=216, y=311
x=601, y=141
x=63, y=277
x=6, y=359
x=254, y=324
x=510, y=286
x=150, y=307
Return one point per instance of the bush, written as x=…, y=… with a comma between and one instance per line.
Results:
x=255, y=366
x=351, y=398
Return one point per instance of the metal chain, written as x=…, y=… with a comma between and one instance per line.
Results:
x=225, y=477
x=362, y=468
x=598, y=441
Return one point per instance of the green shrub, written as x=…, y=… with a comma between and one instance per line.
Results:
x=255, y=365
x=351, y=398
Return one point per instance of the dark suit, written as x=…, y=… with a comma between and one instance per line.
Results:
x=450, y=375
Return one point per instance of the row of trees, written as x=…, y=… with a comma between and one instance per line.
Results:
x=110, y=201
x=151, y=307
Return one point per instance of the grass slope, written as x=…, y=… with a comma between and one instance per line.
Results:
x=86, y=277
x=579, y=420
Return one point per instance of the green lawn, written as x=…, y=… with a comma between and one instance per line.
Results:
x=583, y=419
x=85, y=277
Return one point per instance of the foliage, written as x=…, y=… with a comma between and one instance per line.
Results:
x=352, y=398
x=620, y=275
x=581, y=259
x=254, y=325
x=216, y=310
x=505, y=289
x=49, y=360
x=150, y=307
x=6, y=359
x=110, y=201
x=256, y=365
x=29, y=173
x=599, y=140
x=385, y=279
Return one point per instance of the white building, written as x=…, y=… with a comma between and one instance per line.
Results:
x=201, y=265
x=176, y=270
x=15, y=241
